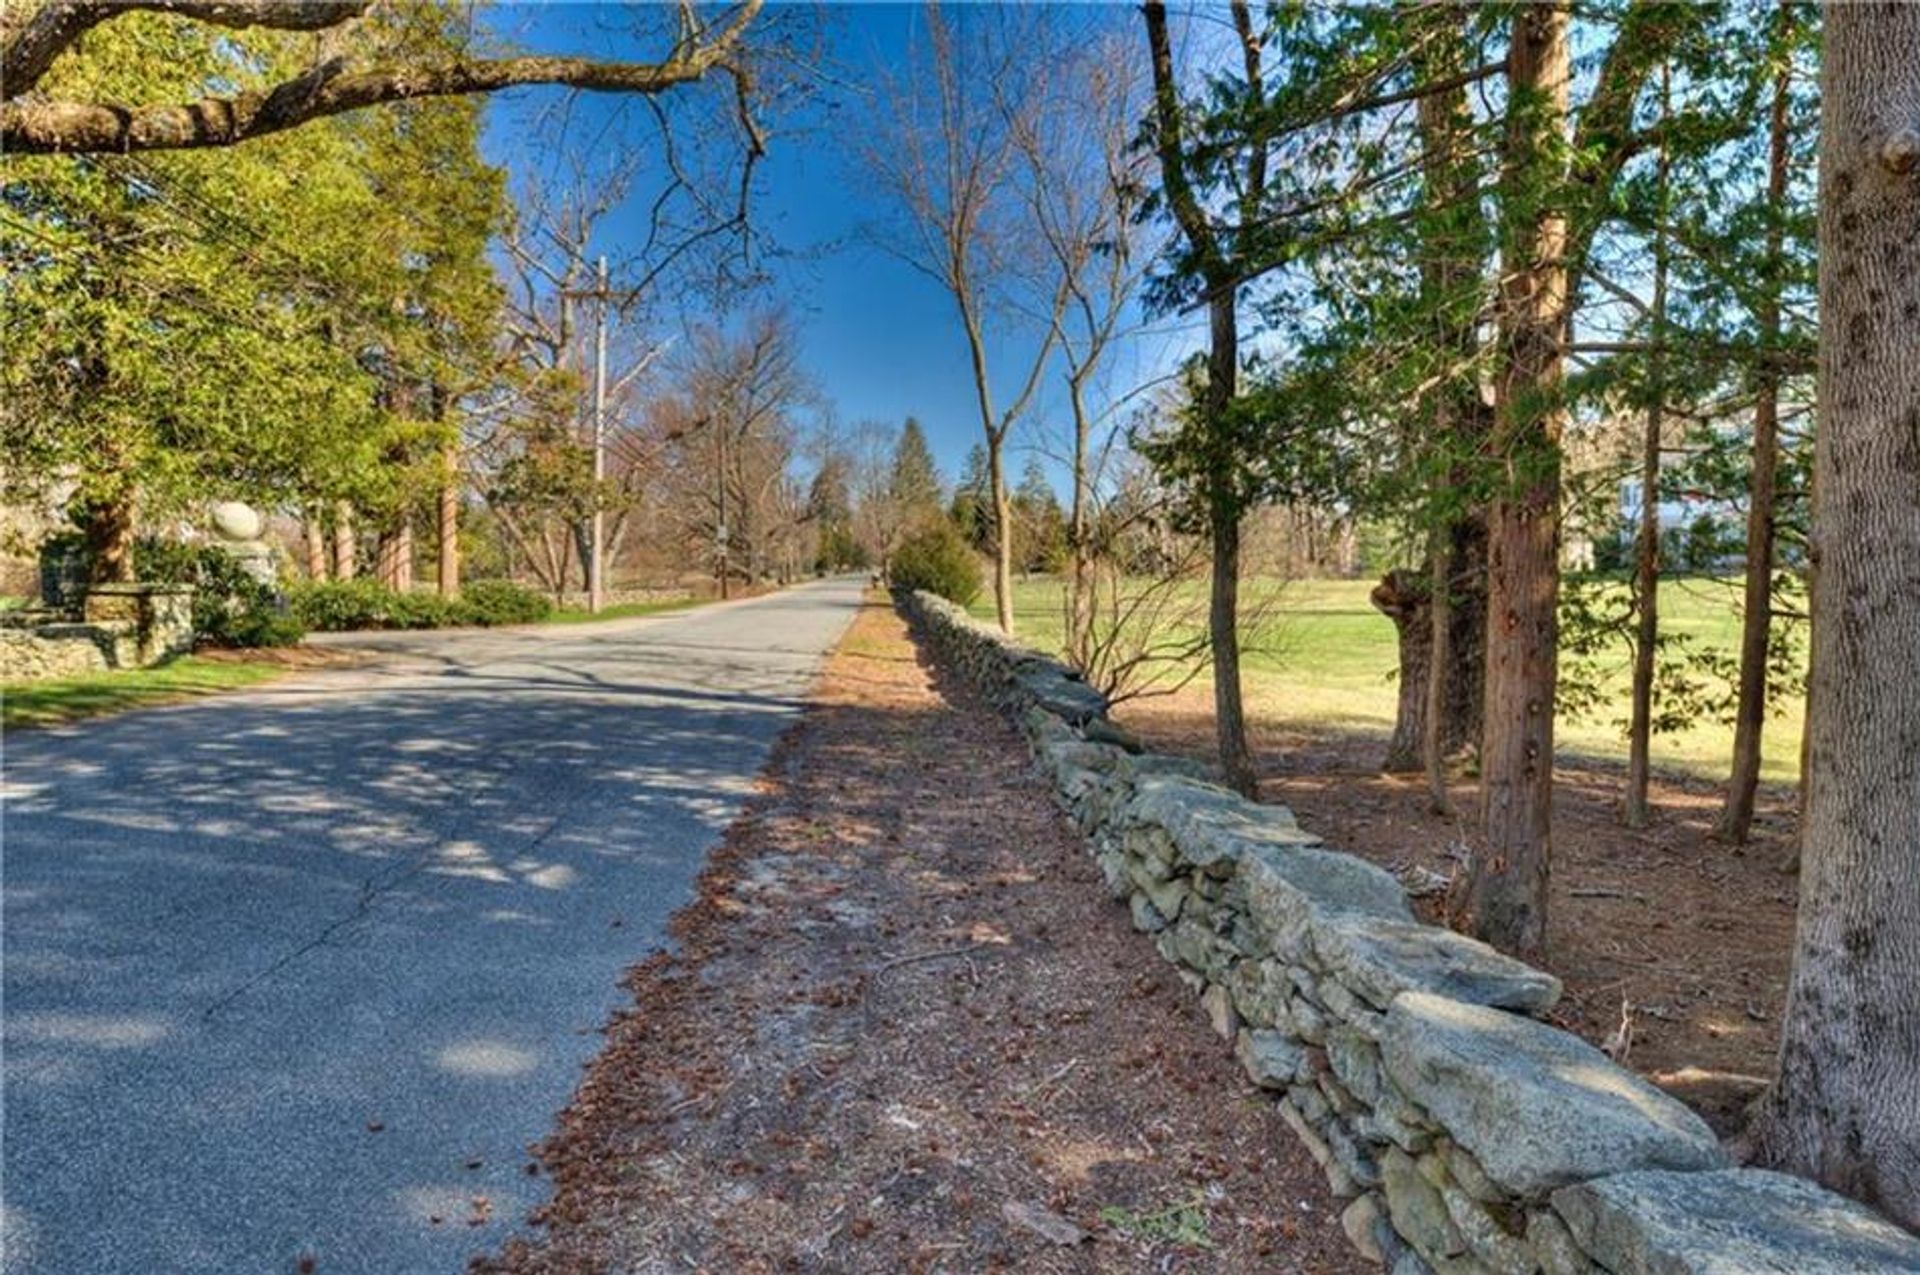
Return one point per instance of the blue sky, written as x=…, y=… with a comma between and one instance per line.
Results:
x=880, y=339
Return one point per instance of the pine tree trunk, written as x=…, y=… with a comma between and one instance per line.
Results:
x=449, y=535
x=1433, y=735
x=1756, y=622
x=1646, y=576
x=1406, y=598
x=316, y=538
x=1451, y=270
x=343, y=541
x=393, y=556
x=1846, y=1108
x=1506, y=893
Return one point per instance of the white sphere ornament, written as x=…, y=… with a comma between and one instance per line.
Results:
x=234, y=520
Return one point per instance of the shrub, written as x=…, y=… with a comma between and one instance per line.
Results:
x=936, y=558
x=230, y=607
x=503, y=602
x=334, y=606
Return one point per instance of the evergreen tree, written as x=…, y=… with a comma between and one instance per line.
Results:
x=972, y=508
x=914, y=484
x=1041, y=521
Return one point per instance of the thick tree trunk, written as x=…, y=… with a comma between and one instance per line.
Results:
x=1407, y=599
x=1440, y=694
x=109, y=538
x=343, y=541
x=449, y=535
x=1756, y=621
x=1506, y=893
x=393, y=557
x=316, y=541
x=1846, y=1108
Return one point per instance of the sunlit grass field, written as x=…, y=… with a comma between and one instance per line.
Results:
x=1326, y=659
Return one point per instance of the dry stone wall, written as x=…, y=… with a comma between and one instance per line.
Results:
x=126, y=626
x=1466, y=1134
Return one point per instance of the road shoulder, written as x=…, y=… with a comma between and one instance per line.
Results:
x=905, y=1029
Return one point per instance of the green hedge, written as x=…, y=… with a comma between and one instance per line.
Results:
x=335, y=606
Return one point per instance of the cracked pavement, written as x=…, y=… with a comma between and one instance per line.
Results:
x=297, y=974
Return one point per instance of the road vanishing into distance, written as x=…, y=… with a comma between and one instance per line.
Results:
x=292, y=973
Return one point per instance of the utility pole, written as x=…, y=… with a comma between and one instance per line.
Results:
x=720, y=492
x=596, y=559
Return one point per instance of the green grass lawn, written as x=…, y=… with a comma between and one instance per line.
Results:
x=1326, y=659
x=69, y=699
x=626, y=611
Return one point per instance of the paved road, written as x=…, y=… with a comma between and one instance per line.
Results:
x=282, y=967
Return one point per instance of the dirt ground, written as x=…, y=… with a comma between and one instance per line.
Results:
x=906, y=1030
x=1683, y=938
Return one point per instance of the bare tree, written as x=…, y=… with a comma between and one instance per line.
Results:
x=364, y=55
x=1083, y=187
x=947, y=165
x=726, y=427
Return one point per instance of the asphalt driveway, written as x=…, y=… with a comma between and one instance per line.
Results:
x=298, y=974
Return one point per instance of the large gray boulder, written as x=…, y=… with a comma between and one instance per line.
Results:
x=1212, y=825
x=1379, y=958
x=1052, y=689
x=1735, y=1222
x=1291, y=889
x=1537, y=1107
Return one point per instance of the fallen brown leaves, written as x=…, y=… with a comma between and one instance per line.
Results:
x=907, y=1031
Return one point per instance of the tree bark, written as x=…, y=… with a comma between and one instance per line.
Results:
x=1223, y=369
x=343, y=541
x=393, y=557
x=1451, y=274
x=1223, y=604
x=449, y=520
x=1506, y=892
x=1223, y=626
x=331, y=86
x=1846, y=1108
x=109, y=538
x=1433, y=730
x=1079, y=584
x=316, y=538
x=1756, y=620
x=1002, y=532
x=1646, y=575
x=1407, y=599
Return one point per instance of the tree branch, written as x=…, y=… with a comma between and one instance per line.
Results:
x=29, y=45
x=330, y=87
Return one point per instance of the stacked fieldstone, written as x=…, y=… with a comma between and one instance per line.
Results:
x=1468, y=1135
x=126, y=626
